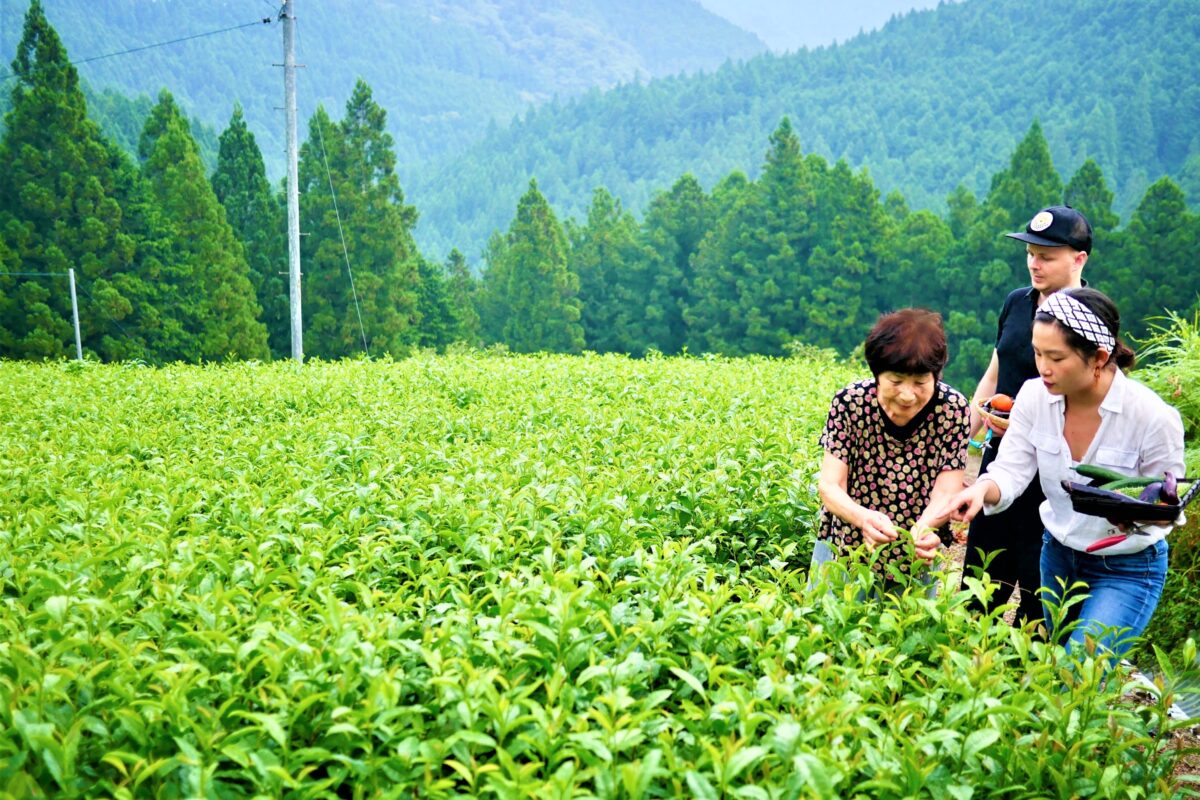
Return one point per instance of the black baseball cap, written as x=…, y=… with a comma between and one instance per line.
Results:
x=1057, y=226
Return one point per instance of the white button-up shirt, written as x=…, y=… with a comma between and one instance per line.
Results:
x=1139, y=434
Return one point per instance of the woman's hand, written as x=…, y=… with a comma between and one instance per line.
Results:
x=877, y=528
x=927, y=542
x=948, y=484
x=965, y=505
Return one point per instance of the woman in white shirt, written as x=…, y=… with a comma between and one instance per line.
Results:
x=1083, y=410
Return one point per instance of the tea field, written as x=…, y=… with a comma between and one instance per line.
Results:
x=489, y=576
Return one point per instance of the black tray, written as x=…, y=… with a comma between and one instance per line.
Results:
x=1100, y=503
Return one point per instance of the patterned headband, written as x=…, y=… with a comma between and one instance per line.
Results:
x=1079, y=318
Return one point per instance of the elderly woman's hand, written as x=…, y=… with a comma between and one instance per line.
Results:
x=927, y=542
x=877, y=528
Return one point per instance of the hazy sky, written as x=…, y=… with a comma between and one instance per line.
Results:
x=791, y=24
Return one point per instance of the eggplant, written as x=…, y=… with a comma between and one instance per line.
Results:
x=1170, y=489
x=1151, y=492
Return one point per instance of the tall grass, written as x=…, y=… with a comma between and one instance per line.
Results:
x=1172, y=356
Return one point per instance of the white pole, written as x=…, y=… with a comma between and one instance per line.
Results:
x=293, y=191
x=75, y=315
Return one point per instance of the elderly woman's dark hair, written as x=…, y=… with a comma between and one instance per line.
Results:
x=910, y=341
x=1106, y=310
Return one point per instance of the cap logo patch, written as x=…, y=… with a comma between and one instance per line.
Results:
x=1041, y=221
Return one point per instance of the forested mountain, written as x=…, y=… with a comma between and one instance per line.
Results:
x=793, y=24
x=444, y=69
x=121, y=117
x=177, y=262
x=933, y=100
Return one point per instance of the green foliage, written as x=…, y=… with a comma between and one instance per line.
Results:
x=476, y=575
x=1088, y=192
x=70, y=199
x=213, y=297
x=1147, y=268
x=1175, y=620
x=438, y=325
x=1030, y=182
x=258, y=218
x=614, y=278
x=445, y=72
x=807, y=252
x=810, y=252
x=122, y=118
x=675, y=223
x=360, y=262
x=532, y=295
x=750, y=283
x=1172, y=355
x=463, y=291
x=1170, y=365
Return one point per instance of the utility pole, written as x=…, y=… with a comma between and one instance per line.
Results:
x=75, y=314
x=293, y=190
x=70, y=276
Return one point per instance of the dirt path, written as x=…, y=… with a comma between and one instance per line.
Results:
x=956, y=554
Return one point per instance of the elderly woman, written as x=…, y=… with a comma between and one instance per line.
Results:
x=895, y=445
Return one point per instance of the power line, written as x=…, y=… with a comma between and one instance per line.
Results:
x=260, y=21
x=342, y=235
x=99, y=306
x=70, y=276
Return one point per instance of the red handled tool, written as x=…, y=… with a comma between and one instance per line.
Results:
x=1109, y=541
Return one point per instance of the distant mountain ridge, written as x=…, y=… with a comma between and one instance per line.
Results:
x=443, y=69
x=921, y=110
x=793, y=24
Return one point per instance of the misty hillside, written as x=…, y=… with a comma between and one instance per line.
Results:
x=793, y=24
x=444, y=69
x=1108, y=80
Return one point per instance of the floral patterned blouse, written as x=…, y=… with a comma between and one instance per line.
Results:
x=892, y=468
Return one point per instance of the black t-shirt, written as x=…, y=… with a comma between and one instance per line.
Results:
x=1014, y=341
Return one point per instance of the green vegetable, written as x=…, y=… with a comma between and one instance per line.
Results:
x=1099, y=473
x=1111, y=479
x=1134, y=481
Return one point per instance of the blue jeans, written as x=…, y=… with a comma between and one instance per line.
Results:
x=1122, y=591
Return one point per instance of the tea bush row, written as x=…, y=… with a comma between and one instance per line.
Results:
x=488, y=576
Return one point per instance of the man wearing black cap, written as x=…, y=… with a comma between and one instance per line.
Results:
x=1058, y=241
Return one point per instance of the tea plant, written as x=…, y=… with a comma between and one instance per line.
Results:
x=1172, y=351
x=489, y=576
